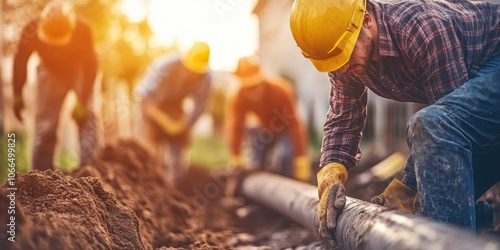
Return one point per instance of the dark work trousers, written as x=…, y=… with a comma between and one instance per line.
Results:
x=271, y=151
x=50, y=93
x=455, y=148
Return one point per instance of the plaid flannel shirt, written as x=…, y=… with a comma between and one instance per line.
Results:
x=426, y=50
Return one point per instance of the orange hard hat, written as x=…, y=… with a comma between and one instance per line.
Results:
x=248, y=71
x=56, y=24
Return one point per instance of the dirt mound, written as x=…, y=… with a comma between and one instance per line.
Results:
x=167, y=217
x=54, y=211
x=122, y=200
x=119, y=201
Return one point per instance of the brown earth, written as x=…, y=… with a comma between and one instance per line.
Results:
x=122, y=201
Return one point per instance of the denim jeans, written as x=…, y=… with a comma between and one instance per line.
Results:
x=261, y=145
x=168, y=150
x=51, y=91
x=455, y=148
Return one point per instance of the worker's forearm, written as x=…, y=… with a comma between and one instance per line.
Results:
x=89, y=77
x=158, y=116
x=19, y=75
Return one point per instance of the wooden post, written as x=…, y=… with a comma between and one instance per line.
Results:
x=361, y=225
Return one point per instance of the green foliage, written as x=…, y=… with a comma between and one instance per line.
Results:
x=21, y=156
x=66, y=159
x=208, y=151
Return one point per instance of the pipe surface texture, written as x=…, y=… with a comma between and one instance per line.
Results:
x=362, y=225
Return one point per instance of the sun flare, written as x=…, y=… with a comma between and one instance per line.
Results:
x=228, y=26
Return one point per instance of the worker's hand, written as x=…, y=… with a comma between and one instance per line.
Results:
x=302, y=168
x=177, y=126
x=332, y=199
x=18, y=107
x=397, y=195
x=235, y=162
x=79, y=112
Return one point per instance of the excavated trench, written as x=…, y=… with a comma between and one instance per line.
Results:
x=123, y=201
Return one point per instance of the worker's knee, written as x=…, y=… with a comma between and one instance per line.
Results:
x=423, y=124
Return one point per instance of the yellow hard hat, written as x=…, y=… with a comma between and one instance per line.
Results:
x=56, y=24
x=248, y=71
x=196, y=59
x=326, y=31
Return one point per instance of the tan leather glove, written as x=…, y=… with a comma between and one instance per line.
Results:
x=397, y=195
x=236, y=161
x=79, y=112
x=302, y=168
x=332, y=199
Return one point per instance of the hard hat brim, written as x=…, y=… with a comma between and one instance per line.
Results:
x=251, y=80
x=336, y=62
x=54, y=41
x=194, y=66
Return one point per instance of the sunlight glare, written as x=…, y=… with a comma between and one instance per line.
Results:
x=231, y=34
x=135, y=10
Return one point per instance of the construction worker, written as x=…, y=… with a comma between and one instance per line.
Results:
x=442, y=53
x=271, y=101
x=170, y=81
x=68, y=61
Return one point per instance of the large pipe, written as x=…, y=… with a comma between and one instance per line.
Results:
x=361, y=225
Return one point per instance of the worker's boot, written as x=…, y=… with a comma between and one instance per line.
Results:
x=484, y=215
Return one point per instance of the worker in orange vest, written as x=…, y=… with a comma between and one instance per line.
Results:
x=68, y=61
x=271, y=102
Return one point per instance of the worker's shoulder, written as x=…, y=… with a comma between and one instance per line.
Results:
x=401, y=12
x=83, y=23
x=166, y=61
x=31, y=26
x=280, y=84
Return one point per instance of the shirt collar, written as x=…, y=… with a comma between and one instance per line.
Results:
x=385, y=44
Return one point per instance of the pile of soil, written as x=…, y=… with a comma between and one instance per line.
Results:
x=54, y=211
x=122, y=200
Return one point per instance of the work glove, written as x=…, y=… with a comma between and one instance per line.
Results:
x=397, y=195
x=175, y=127
x=79, y=112
x=235, y=162
x=332, y=199
x=18, y=106
x=169, y=125
x=302, y=168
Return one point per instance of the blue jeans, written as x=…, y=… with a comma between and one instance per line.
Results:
x=262, y=142
x=455, y=148
x=50, y=95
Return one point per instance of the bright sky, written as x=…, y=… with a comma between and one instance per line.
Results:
x=227, y=25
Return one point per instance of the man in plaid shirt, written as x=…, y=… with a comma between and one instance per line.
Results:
x=442, y=53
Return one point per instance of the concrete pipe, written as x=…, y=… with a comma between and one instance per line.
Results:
x=361, y=225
